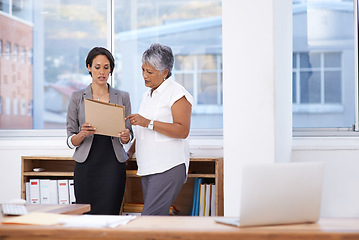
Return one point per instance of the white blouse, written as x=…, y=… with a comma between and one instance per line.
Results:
x=155, y=152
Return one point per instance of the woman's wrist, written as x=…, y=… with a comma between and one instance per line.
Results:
x=150, y=124
x=82, y=135
x=129, y=140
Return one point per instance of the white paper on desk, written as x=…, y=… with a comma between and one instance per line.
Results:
x=96, y=221
x=36, y=218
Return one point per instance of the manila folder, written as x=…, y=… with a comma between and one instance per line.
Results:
x=107, y=118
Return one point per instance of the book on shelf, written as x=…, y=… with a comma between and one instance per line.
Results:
x=63, y=189
x=202, y=199
x=72, y=191
x=207, y=201
x=203, y=203
x=45, y=191
x=213, y=200
x=35, y=191
x=50, y=191
x=54, y=195
x=27, y=193
x=196, y=200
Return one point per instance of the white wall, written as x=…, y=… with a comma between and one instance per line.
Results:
x=256, y=88
x=340, y=155
x=11, y=151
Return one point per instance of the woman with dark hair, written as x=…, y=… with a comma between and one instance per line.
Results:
x=100, y=171
x=161, y=129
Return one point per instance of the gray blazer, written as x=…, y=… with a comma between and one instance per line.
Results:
x=76, y=117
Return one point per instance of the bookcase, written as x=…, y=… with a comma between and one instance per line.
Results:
x=59, y=167
x=55, y=167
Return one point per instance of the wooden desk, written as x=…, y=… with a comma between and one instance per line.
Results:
x=72, y=209
x=189, y=228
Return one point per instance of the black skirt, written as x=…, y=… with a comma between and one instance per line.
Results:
x=100, y=181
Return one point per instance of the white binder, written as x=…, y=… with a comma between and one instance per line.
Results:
x=63, y=189
x=35, y=191
x=28, y=198
x=72, y=191
x=207, y=200
x=213, y=200
x=45, y=191
x=54, y=196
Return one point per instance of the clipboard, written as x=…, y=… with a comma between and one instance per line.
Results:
x=108, y=118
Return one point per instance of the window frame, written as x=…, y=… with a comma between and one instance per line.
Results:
x=339, y=131
x=61, y=133
x=216, y=108
x=356, y=65
x=297, y=132
x=322, y=106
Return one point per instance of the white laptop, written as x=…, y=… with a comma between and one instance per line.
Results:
x=280, y=193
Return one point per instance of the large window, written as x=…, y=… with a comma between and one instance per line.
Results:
x=193, y=29
x=43, y=46
x=41, y=70
x=323, y=93
x=317, y=84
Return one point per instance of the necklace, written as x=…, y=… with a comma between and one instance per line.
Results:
x=97, y=96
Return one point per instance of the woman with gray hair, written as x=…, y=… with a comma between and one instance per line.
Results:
x=161, y=128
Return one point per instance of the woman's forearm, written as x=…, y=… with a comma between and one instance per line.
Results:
x=174, y=130
x=78, y=138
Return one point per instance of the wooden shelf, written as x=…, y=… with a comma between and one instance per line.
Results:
x=41, y=174
x=202, y=175
x=209, y=168
x=59, y=167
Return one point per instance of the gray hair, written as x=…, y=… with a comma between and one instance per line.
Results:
x=160, y=57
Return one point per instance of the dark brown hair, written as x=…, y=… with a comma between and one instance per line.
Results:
x=100, y=51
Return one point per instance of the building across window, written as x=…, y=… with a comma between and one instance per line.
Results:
x=201, y=75
x=15, y=55
x=8, y=50
x=317, y=82
x=323, y=77
x=15, y=76
x=196, y=41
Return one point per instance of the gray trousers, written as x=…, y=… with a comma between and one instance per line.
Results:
x=160, y=190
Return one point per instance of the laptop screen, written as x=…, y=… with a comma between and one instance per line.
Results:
x=281, y=193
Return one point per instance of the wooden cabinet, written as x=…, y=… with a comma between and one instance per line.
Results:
x=211, y=169
x=56, y=167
